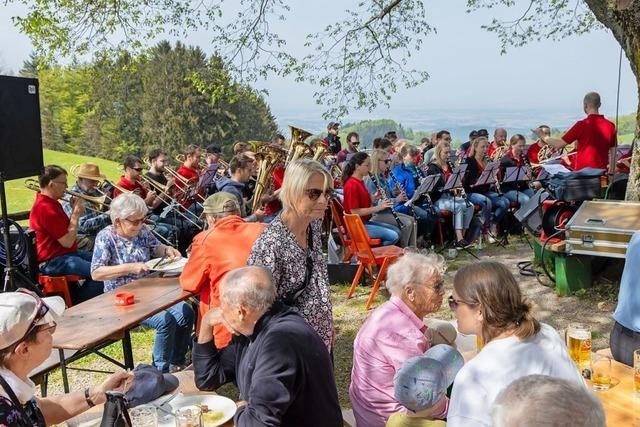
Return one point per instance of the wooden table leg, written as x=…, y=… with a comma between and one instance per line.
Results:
x=63, y=370
x=127, y=350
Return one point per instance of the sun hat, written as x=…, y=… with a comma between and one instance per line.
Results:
x=89, y=171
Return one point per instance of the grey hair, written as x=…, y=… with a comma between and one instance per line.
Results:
x=541, y=400
x=414, y=268
x=249, y=286
x=125, y=205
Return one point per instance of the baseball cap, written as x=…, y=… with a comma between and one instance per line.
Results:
x=19, y=310
x=483, y=132
x=332, y=125
x=473, y=134
x=423, y=380
x=221, y=202
x=149, y=384
x=213, y=149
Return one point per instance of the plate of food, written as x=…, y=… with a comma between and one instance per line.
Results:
x=215, y=410
x=167, y=265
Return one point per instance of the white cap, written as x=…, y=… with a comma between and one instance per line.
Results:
x=17, y=311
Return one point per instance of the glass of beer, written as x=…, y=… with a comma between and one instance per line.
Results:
x=601, y=372
x=579, y=344
x=636, y=372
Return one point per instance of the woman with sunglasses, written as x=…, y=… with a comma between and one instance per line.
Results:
x=27, y=324
x=56, y=235
x=119, y=257
x=488, y=303
x=291, y=246
x=396, y=332
x=357, y=199
x=376, y=181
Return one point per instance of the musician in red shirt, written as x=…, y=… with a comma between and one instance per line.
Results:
x=499, y=140
x=595, y=137
x=358, y=201
x=516, y=192
x=534, y=149
x=189, y=170
x=56, y=246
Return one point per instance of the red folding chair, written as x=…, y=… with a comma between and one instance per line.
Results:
x=58, y=285
x=367, y=256
x=337, y=213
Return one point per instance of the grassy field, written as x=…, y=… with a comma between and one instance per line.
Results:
x=20, y=198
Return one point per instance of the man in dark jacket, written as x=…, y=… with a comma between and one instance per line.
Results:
x=279, y=363
x=241, y=168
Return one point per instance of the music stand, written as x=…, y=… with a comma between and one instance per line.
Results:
x=489, y=176
x=426, y=186
x=515, y=174
x=454, y=182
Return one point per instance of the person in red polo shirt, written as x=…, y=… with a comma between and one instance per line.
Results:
x=56, y=246
x=595, y=137
x=190, y=173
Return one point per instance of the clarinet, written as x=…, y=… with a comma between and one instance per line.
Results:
x=376, y=182
x=396, y=183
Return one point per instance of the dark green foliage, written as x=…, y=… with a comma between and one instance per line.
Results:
x=169, y=97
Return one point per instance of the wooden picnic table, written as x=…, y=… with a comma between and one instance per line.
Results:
x=98, y=322
x=620, y=405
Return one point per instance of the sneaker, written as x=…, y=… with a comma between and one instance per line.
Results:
x=463, y=244
x=176, y=368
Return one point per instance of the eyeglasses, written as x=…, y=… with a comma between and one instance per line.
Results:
x=41, y=310
x=51, y=327
x=136, y=222
x=385, y=161
x=454, y=303
x=61, y=183
x=355, y=142
x=314, y=193
x=438, y=287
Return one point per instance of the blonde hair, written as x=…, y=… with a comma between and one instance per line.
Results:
x=296, y=177
x=515, y=138
x=438, y=150
x=474, y=145
x=377, y=155
x=491, y=285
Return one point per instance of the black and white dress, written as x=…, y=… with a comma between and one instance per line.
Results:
x=277, y=249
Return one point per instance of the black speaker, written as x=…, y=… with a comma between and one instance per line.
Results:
x=20, y=133
x=530, y=215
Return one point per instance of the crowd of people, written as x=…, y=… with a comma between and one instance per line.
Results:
x=265, y=321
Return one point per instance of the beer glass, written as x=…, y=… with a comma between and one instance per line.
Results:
x=579, y=344
x=636, y=372
x=188, y=416
x=601, y=372
x=144, y=416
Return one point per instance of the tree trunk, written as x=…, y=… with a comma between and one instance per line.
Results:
x=622, y=17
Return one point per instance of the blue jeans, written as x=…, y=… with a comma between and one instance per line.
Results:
x=462, y=213
x=173, y=335
x=78, y=263
x=500, y=205
x=389, y=234
x=485, y=207
x=520, y=197
x=425, y=219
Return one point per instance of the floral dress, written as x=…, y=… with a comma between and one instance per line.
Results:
x=11, y=416
x=112, y=249
x=278, y=250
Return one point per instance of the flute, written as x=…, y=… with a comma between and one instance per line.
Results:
x=383, y=193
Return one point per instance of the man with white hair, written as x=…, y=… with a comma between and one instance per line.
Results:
x=280, y=364
x=394, y=333
x=541, y=400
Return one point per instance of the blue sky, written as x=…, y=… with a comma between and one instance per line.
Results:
x=466, y=68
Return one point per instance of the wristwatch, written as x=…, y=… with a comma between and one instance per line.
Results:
x=87, y=398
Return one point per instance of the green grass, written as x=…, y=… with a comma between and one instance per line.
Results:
x=19, y=198
x=625, y=139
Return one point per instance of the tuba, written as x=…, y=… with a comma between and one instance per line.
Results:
x=297, y=147
x=269, y=157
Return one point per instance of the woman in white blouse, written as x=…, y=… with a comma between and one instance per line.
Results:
x=488, y=303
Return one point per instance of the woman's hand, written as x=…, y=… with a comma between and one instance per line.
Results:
x=172, y=252
x=114, y=382
x=384, y=205
x=138, y=268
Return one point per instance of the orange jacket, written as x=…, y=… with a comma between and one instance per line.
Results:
x=214, y=253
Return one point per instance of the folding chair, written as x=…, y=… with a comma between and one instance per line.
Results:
x=337, y=213
x=367, y=256
x=58, y=285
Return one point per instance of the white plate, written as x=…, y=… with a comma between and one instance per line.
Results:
x=214, y=402
x=174, y=266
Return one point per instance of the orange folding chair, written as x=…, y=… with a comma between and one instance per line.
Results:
x=337, y=213
x=367, y=256
x=58, y=285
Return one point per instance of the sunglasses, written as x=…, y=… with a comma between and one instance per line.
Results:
x=41, y=311
x=455, y=303
x=135, y=223
x=314, y=193
x=385, y=161
x=138, y=169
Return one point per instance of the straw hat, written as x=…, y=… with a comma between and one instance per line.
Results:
x=89, y=171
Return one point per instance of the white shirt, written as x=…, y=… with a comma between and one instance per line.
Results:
x=23, y=391
x=501, y=362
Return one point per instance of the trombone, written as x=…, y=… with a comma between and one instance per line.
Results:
x=163, y=190
x=95, y=204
